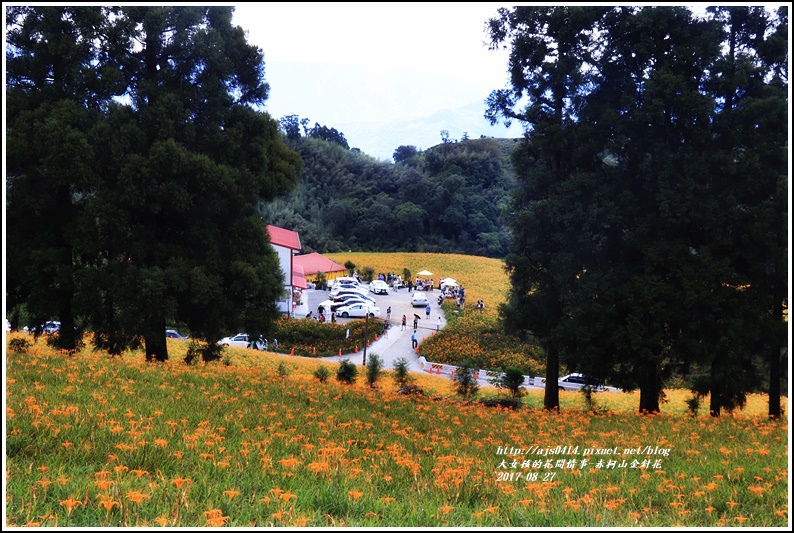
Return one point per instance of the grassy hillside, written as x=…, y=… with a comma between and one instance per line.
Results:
x=115, y=442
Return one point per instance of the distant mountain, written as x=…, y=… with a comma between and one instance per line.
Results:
x=329, y=94
x=380, y=139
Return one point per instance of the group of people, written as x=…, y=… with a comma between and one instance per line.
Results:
x=260, y=343
x=321, y=315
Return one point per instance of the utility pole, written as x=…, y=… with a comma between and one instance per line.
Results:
x=366, y=336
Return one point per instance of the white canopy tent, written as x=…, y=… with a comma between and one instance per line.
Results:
x=424, y=273
x=448, y=282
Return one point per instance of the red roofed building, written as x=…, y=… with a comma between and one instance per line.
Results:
x=314, y=263
x=287, y=244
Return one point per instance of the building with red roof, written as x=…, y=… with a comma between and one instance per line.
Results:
x=313, y=264
x=287, y=244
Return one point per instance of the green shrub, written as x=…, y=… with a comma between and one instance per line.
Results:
x=192, y=355
x=374, y=369
x=466, y=386
x=400, y=375
x=510, y=380
x=367, y=274
x=211, y=352
x=322, y=374
x=282, y=370
x=693, y=404
x=308, y=336
x=19, y=345
x=207, y=352
x=347, y=372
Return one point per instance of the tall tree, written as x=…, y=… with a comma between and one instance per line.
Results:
x=54, y=99
x=199, y=160
x=550, y=63
x=750, y=85
x=169, y=228
x=663, y=190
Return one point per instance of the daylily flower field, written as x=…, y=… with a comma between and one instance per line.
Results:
x=258, y=440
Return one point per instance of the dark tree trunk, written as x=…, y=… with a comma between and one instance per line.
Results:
x=775, y=351
x=649, y=390
x=156, y=346
x=715, y=403
x=551, y=399
x=67, y=340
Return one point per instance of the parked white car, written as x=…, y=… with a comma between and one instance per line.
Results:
x=577, y=382
x=358, y=311
x=242, y=340
x=379, y=287
x=355, y=290
x=345, y=279
x=419, y=299
x=331, y=305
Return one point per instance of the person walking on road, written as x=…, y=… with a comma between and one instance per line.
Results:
x=438, y=324
x=427, y=312
x=388, y=313
x=414, y=342
x=405, y=320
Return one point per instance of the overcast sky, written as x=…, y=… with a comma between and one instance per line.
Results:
x=343, y=63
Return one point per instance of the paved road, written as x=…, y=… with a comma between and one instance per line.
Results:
x=397, y=343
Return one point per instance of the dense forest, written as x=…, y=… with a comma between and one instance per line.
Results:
x=449, y=198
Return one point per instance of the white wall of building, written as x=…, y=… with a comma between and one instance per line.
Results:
x=285, y=262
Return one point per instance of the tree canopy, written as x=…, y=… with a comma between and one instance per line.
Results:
x=655, y=152
x=448, y=198
x=148, y=187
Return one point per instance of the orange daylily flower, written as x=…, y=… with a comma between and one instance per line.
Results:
x=70, y=504
x=137, y=496
x=215, y=518
x=180, y=481
x=287, y=496
x=102, y=484
x=109, y=504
